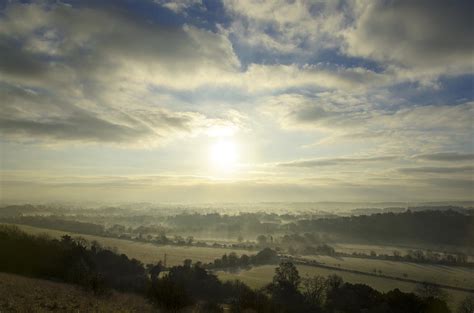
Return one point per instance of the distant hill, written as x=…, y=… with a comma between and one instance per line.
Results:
x=368, y=211
x=421, y=208
x=444, y=226
x=440, y=208
x=17, y=210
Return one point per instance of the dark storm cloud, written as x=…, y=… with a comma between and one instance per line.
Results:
x=336, y=161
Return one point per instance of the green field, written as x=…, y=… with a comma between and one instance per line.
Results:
x=366, y=248
x=387, y=249
x=260, y=276
x=145, y=252
x=446, y=275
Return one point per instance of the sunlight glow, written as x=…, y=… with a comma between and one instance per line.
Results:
x=224, y=154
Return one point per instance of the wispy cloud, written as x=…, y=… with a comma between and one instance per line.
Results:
x=447, y=156
x=337, y=161
x=437, y=170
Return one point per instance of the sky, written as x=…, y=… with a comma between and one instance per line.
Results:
x=236, y=100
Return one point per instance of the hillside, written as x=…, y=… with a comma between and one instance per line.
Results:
x=22, y=294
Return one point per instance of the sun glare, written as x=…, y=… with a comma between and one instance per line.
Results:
x=224, y=154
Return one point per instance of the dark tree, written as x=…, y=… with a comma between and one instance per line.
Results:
x=154, y=270
x=467, y=305
x=428, y=290
x=287, y=276
x=314, y=290
x=284, y=289
x=167, y=294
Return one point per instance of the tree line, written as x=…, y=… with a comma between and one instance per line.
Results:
x=429, y=227
x=232, y=261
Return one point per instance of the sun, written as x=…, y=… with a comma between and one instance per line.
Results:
x=224, y=154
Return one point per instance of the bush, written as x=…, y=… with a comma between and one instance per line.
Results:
x=168, y=295
x=208, y=307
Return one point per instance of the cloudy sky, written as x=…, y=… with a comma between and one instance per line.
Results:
x=236, y=100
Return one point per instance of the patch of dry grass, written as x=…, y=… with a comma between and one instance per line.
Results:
x=23, y=294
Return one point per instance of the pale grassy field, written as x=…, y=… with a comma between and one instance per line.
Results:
x=446, y=275
x=361, y=248
x=381, y=249
x=145, y=252
x=22, y=294
x=260, y=276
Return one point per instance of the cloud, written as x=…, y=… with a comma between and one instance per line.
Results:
x=158, y=188
x=83, y=74
x=376, y=121
x=178, y=6
x=19, y=62
x=456, y=186
x=286, y=26
x=408, y=40
x=325, y=110
x=95, y=41
x=437, y=170
x=337, y=161
x=29, y=115
x=423, y=37
x=270, y=77
x=446, y=157
x=80, y=126
x=375, y=118
x=89, y=69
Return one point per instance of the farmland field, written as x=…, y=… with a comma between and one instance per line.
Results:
x=260, y=276
x=388, y=249
x=446, y=275
x=145, y=252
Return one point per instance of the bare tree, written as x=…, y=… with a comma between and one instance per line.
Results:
x=314, y=290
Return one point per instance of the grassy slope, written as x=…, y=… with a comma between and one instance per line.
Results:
x=22, y=294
